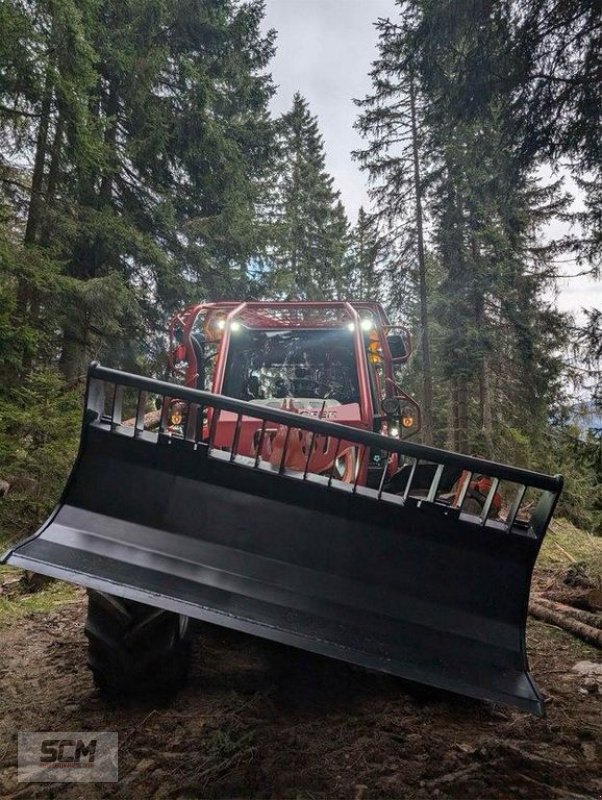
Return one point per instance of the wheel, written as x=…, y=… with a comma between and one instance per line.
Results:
x=135, y=650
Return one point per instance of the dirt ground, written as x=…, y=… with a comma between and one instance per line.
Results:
x=263, y=721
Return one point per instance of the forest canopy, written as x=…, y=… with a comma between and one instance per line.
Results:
x=141, y=169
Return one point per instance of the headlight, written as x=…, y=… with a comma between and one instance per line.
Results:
x=176, y=414
x=407, y=418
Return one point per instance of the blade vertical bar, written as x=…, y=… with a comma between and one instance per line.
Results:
x=514, y=508
x=116, y=407
x=191, y=422
x=140, y=412
x=214, y=419
x=489, y=501
x=164, y=416
x=435, y=484
x=283, y=459
x=260, y=443
x=381, y=485
x=309, y=455
x=362, y=454
x=235, y=437
x=410, y=479
x=464, y=490
x=334, y=462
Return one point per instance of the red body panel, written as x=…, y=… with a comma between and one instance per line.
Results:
x=215, y=322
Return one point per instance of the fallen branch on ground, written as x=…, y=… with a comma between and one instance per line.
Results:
x=568, y=623
x=566, y=793
x=588, y=617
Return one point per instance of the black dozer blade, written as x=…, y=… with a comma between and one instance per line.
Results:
x=403, y=583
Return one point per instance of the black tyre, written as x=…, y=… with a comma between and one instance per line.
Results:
x=135, y=650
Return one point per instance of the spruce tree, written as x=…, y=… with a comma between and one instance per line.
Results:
x=308, y=221
x=558, y=47
x=558, y=50
x=444, y=86
x=487, y=214
x=365, y=259
x=147, y=133
x=392, y=119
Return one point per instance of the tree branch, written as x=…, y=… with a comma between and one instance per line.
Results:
x=18, y=112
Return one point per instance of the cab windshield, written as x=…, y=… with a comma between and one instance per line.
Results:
x=302, y=364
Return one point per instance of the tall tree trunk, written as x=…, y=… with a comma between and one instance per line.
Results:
x=111, y=108
x=486, y=416
x=34, y=212
x=450, y=432
x=454, y=417
x=485, y=403
x=27, y=301
x=45, y=234
x=88, y=257
x=463, y=415
x=459, y=415
x=53, y=175
x=461, y=425
x=73, y=360
x=427, y=379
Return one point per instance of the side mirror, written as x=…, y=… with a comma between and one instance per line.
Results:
x=391, y=406
x=397, y=347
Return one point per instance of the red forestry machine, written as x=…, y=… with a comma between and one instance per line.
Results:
x=277, y=491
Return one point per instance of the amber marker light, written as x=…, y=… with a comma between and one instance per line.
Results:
x=175, y=415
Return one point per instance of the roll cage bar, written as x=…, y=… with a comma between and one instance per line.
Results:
x=285, y=315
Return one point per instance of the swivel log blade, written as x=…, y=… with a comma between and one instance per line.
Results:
x=406, y=583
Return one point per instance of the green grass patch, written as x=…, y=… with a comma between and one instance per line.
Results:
x=547, y=641
x=564, y=544
x=15, y=603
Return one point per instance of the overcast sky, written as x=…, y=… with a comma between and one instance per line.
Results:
x=325, y=49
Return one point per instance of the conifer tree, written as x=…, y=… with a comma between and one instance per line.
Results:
x=391, y=119
x=365, y=260
x=449, y=68
x=487, y=213
x=309, y=225
x=146, y=129
x=558, y=51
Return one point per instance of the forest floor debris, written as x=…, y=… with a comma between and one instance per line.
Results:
x=263, y=721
